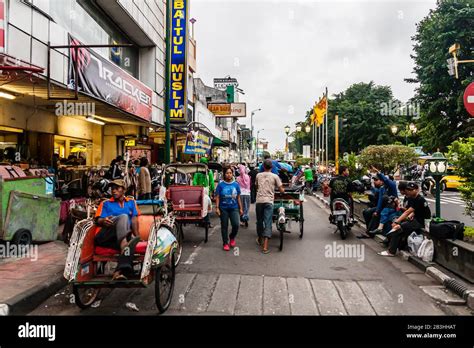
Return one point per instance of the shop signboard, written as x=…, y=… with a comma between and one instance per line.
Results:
x=104, y=80
x=178, y=66
x=228, y=109
x=130, y=142
x=2, y=25
x=223, y=83
x=197, y=143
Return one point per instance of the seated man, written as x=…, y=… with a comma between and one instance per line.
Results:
x=372, y=215
x=403, y=226
x=118, y=217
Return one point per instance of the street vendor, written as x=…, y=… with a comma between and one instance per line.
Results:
x=201, y=179
x=118, y=220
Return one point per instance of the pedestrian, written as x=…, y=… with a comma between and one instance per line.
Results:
x=308, y=177
x=244, y=182
x=253, y=189
x=412, y=219
x=266, y=183
x=228, y=206
x=144, y=180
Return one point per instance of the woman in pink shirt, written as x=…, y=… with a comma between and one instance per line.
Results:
x=244, y=182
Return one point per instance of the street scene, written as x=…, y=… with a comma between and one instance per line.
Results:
x=166, y=158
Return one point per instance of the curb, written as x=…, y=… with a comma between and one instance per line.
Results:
x=321, y=200
x=28, y=300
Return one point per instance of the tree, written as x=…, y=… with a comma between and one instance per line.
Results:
x=387, y=158
x=351, y=162
x=461, y=154
x=443, y=118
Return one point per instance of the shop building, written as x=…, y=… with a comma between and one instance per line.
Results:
x=119, y=81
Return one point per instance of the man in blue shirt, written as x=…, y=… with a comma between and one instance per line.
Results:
x=118, y=217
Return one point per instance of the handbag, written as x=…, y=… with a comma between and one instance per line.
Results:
x=451, y=229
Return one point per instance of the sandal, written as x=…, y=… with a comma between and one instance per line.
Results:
x=385, y=253
x=265, y=251
x=259, y=241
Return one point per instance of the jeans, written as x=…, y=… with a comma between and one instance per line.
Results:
x=233, y=215
x=264, y=219
x=112, y=236
x=372, y=222
x=245, y=207
x=397, y=237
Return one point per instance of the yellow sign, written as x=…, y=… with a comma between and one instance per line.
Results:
x=130, y=142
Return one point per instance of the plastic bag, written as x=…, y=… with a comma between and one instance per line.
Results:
x=414, y=242
x=426, y=250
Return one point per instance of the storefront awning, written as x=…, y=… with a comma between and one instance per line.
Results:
x=218, y=142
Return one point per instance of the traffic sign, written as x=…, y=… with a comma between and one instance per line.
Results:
x=469, y=99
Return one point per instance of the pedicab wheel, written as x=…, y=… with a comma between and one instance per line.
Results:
x=178, y=233
x=22, y=237
x=281, y=238
x=301, y=220
x=342, y=230
x=164, y=284
x=84, y=297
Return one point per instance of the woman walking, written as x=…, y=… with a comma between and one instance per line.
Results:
x=244, y=182
x=228, y=207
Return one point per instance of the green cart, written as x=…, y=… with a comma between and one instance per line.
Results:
x=29, y=212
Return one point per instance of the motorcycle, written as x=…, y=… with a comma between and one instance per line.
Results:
x=341, y=211
x=428, y=185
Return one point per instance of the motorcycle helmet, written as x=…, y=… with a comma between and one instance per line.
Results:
x=358, y=186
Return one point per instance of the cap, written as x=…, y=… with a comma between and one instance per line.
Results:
x=412, y=186
x=118, y=182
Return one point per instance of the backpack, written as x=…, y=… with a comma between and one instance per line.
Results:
x=451, y=229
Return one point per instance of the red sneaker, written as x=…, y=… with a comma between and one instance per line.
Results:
x=232, y=243
x=226, y=247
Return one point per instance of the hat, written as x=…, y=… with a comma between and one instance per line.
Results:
x=118, y=182
x=412, y=186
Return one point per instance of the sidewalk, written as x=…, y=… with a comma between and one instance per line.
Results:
x=26, y=282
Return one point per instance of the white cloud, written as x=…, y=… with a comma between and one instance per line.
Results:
x=289, y=51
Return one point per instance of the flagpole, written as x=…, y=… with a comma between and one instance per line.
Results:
x=327, y=115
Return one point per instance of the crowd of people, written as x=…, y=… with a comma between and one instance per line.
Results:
x=241, y=185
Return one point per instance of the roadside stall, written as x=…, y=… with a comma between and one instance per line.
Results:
x=29, y=211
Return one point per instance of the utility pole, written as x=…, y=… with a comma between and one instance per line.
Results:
x=167, y=159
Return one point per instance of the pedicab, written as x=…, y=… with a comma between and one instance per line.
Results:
x=89, y=267
x=288, y=206
x=187, y=202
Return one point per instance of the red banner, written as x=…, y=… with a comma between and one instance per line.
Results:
x=104, y=80
x=2, y=26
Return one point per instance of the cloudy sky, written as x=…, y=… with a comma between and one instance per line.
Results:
x=285, y=53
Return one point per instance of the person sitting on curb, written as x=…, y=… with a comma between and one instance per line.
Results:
x=402, y=226
x=118, y=218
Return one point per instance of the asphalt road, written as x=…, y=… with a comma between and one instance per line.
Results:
x=307, y=277
x=452, y=207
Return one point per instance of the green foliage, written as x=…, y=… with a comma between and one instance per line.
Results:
x=351, y=163
x=301, y=161
x=461, y=155
x=387, y=158
x=440, y=96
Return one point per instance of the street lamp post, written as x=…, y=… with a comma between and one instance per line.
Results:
x=287, y=132
x=437, y=167
x=251, y=130
x=258, y=132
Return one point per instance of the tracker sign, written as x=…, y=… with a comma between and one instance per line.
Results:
x=178, y=68
x=104, y=80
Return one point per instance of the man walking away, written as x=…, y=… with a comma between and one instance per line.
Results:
x=308, y=178
x=266, y=183
x=144, y=181
x=253, y=189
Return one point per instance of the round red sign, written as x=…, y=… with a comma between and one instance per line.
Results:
x=469, y=99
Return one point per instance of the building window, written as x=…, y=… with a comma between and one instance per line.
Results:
x=84, y=20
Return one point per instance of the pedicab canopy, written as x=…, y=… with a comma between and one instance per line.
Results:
x=186, y=168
